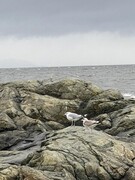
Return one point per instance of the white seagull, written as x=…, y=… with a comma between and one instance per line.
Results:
x=73, y=117
x=88, y=123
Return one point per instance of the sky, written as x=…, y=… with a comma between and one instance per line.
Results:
x=47, y=33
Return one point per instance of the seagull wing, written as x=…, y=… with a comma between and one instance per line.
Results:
x=74, y=116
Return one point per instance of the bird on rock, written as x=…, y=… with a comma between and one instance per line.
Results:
x=73, y=117
x=88, y=123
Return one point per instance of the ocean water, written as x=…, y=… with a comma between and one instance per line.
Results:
x=121, y=77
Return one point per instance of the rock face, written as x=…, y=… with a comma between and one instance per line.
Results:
x=36, y=142
x=70, y=89
x=79, y=154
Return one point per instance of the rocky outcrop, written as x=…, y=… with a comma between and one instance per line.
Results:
x=72, y=89
x=105, y=102
x=123, y=122
x=36, y=142
x=74, y=153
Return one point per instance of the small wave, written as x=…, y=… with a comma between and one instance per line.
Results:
x=128, y=96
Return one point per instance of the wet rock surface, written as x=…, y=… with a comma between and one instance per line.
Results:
x=37, y=141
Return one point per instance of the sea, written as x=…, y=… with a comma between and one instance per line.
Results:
x=120, y=77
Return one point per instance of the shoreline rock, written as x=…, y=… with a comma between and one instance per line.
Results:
x=35, y=137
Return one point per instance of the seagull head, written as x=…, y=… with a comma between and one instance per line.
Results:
x=84, y=119
x=66, y=113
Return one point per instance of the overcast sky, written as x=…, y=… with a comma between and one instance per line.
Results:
x=66, y=32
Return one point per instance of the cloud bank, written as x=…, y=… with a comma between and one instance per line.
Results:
x=93, y=48
x=58, y=17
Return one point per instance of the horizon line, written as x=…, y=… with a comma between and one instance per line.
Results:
x=63, y=66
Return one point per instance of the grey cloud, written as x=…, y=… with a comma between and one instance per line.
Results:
x=56, y=17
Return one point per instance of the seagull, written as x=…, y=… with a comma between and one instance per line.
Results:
x=73, y=117
x=87, y=123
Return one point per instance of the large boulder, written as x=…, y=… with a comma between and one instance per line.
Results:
x=105, y=102
x=72, y=89
x=74, y=153
x=48, y=108
x=123, y=122
x=109, y=94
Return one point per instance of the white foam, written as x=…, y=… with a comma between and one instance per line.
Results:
x=128, y=96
